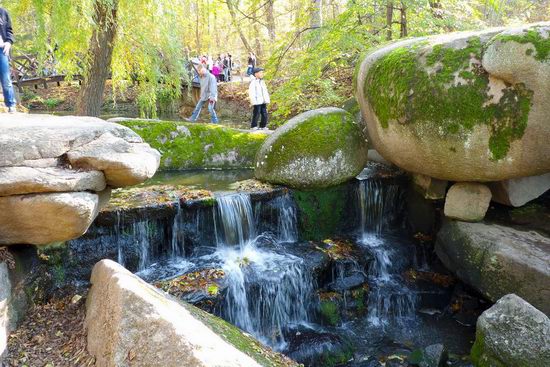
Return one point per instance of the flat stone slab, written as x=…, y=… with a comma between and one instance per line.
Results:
x=40, y=219
x=27, y=180
x=498, y=260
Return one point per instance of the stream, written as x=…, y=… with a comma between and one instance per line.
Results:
x=338, y=302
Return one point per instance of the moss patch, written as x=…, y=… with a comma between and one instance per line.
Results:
x=445, y=91
x=329, y=312
x=320, y=212
x=245, y=343
x=532, y=36
x=195, y=146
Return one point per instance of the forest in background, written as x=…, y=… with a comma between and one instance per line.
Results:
x=309, y=47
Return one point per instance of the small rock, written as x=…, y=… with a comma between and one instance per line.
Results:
x=76, y=299
x=430, y=188
x=467, y=201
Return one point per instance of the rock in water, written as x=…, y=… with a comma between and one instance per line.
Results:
x=130, y=323
x=512, y=333
x=461, y=107
x=467, y=201
x=315, y=149
x=498, y=260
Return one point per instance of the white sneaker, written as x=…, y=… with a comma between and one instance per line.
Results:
x=265, y=128
x=255, y=128
x=12, y=110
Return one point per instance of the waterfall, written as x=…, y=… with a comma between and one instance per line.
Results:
x=234, y=220
x=390, y=300
x=177, y=242
x=287, y=228
x=379, y=204
x=266, y=292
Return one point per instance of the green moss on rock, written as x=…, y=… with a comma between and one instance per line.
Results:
x=193, y=145
x=243, y=342
x=316, y=149
x=444, y=90
x=320, y=212
x=329, y=311
x=533, y=36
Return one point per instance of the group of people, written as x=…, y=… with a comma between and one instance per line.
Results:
x=257, y=93
x=221, y=67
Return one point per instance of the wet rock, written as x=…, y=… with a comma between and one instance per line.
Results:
x=5, y=322
x=128, y=319
x=411, y=115
x=434, y=355
x=317, y=348
x=512, y=333
x=46, y=218
x=498, y=260
x=519, y=191
x=467, y=201
x=371, y=362
x=347, y=282
x=315, y=149
x=28, y=180
x=430, y=188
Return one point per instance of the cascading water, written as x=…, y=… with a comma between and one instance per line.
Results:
x=177, y=242
x=234, y=220
x=266, y=290
x=287, y=229
x=390, y=300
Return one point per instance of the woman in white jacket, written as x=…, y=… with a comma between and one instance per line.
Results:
x=259, y=98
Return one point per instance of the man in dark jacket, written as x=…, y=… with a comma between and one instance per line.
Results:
x=6, y=40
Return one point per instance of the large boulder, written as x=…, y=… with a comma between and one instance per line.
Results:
x=55, y=173
x=46, y=218
x=498, y=260
x=188, y=145
x=512, y=333
x=463, y=106
x=131, y=323
x=315, y=149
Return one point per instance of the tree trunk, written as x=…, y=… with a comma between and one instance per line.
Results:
x=100, y=54
x=231, y=9
x=316, y=14
x=257, y=42
x=389, y=20
x=197, y=27
x=404, y=30
x=270, y=20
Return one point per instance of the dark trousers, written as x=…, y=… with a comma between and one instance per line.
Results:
x=259, y=110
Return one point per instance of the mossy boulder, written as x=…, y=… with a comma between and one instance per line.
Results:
x=512, y=333
x=463, y=106
x=315, y=149
x=186, y=145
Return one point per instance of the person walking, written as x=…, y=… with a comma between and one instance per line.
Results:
x=259, y=98
x=209, y=93
x=230, y=67
x=6, y=41
x=251, y=64
x=216, y=71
